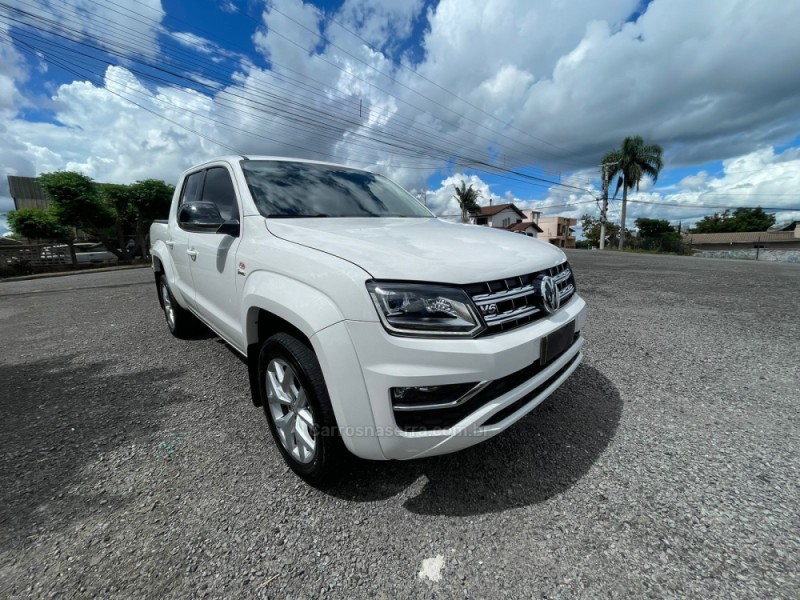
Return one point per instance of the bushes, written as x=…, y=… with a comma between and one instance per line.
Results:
x=661, y=244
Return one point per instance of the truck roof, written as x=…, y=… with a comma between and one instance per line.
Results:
x=234, y=158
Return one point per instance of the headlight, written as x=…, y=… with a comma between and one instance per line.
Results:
x=418, y=309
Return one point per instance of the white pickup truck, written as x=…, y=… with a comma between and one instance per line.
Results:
x=368, y=324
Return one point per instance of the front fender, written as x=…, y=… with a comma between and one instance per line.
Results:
x=298, y=303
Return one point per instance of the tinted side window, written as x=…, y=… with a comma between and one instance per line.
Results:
x=191, y=189
x=219, y=190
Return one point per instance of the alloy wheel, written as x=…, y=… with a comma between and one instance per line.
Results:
x=290, y=411
x=169, y=309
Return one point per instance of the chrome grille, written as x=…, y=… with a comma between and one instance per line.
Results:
x=516, y=299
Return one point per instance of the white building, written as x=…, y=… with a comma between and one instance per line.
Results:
x=508, y=217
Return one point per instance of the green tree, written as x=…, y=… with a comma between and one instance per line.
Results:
x=37, y=224
x=633, y=160
x=119, y=199
x=592, y=229
x=654, y=228
x=75, y=201
x=151, y=200
x=741, y=219
x=468, y=200
x=110, y=213
x=135, y=207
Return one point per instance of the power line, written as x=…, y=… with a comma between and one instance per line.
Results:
x=712, y=207
x=373, y=68
x=464, y=161
x=259, y=22
x=405, y=145
x=477, y=164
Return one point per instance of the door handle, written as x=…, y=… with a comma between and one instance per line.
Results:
x=192, y=253
x=170, y=243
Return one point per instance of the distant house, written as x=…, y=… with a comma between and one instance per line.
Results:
x=27, y=193
x=499, y=215
x=505, y=216
x=532, y=215
x=784, y=226
x=528, y=228
x=557, y=231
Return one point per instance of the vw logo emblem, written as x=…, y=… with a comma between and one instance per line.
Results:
x=548, y=292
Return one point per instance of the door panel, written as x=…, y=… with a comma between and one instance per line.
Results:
x=214, y=264
x=214, y=274
x=184, y=282
x=178, y=241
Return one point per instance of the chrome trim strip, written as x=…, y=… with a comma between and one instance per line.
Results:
x=508, y=398
x=481, y=299
x=562, y=276
x=575, y=360
x=510, y=315
x=567, y=291
x=438, y=405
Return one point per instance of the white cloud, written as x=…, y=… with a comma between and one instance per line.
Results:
x=12, y=72
x=228, y=6
x=382, y=23
x=699, y=78
x=760, y=178
x=295, y=23
x=694, y=182
x=202, y=45
x=193, y=41
x=98, y=20
x=109, y=139
x=442, y=200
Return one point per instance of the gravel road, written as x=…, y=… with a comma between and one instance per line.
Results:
x=133, y=465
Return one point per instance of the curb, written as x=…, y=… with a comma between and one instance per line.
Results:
x=76, y=272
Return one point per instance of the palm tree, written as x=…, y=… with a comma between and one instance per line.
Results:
x=467, y=200
x=632, y=161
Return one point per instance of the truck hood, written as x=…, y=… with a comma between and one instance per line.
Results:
x=421, y=249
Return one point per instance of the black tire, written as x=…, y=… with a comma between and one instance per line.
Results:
x=329, y=454
x=183, y=323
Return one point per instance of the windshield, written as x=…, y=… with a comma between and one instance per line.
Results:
x=293, y=189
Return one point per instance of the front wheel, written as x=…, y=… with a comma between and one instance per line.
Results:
x=298, y=409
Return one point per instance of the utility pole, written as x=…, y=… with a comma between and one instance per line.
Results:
x=604, y=210
x=603, y=217
x=623, y=213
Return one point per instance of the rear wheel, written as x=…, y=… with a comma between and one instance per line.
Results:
x=298, y=409
x=179, y=320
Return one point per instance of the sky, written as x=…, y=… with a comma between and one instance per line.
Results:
x=519, y=98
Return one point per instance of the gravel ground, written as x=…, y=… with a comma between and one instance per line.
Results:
x=134, y=465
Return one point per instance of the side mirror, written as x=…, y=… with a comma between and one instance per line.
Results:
x=230, y=227
x=200, y=216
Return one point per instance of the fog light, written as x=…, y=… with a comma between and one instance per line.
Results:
x=408, y=397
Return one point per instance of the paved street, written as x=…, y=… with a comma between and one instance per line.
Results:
x=134, y=465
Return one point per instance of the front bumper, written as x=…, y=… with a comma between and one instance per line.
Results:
x=369, y=362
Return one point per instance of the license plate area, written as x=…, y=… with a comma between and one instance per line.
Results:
x=555, y=343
